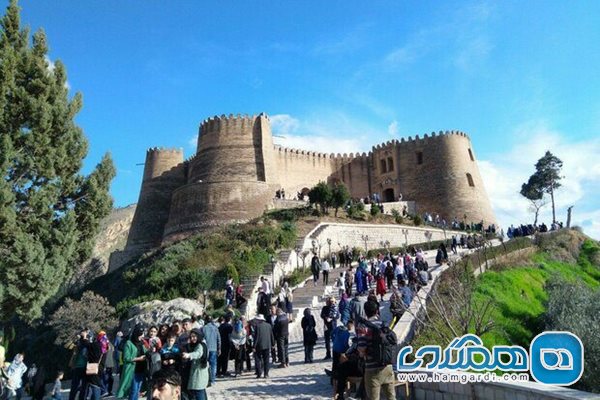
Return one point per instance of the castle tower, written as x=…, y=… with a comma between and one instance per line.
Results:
x=231, y=178
x=164, y=171
x=440, y=173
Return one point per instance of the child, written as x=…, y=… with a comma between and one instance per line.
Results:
x=56, y=389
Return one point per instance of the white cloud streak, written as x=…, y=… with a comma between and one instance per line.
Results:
x=505, y=173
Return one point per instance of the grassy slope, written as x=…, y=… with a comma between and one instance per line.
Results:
x=519, y=295
x=518, y=291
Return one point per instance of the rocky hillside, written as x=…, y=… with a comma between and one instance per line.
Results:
x=113, y=236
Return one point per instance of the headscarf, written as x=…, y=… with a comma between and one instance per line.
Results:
x=135, y=335
x=199, y=334
x=307, y=312
x=103, y=340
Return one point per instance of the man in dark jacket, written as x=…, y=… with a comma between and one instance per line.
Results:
x=281, y=333
x=263, y=342
x=225, y=330
x=330, y=315
x=315, y=268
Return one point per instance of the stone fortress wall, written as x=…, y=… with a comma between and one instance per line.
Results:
x=237, y=170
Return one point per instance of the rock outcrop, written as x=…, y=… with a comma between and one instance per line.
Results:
x=157, y=312
x=112, y=236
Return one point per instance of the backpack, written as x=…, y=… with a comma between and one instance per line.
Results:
x=204, y=357
x=383, y=348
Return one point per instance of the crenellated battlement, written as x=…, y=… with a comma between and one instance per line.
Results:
x=230, y=123
x=164, y=150
x=420, y=140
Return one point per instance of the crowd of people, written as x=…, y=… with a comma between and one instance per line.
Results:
x=192, y=353
x=531, y=229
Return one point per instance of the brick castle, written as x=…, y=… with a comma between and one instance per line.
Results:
x=237, y=170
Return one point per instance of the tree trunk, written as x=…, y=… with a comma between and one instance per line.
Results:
x=552, y=197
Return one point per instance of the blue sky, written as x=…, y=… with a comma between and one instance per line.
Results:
x=518, y=77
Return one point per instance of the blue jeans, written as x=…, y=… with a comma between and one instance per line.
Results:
x=138, y=379
x=212, y=362
x=94, y=392
x=198, y=394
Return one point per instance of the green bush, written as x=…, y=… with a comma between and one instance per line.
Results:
x=298, y=276
x=375, y=210
x=356, y=210
x=397, y=216
x=575, y=307
x=417, y=220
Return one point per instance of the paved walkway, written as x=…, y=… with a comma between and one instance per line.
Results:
x=299, y=381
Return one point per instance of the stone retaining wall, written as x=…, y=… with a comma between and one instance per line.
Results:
x=493, y=391
x=353, y=235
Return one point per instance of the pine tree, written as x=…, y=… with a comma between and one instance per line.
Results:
x=49, y=212
x=545, y=179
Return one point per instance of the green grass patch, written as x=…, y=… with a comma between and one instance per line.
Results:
x=519, y=292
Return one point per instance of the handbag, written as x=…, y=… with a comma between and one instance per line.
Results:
x=92, y=368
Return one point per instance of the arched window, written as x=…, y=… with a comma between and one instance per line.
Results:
x=471, y=155
x=470, y=180
x=383, y=166
x=390, y=164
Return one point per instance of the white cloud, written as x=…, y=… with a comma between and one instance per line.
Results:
x=323, y=144
x=193, y=142
x=393, y=128
x=504, y=174
x=283, y=124
x=336, y=133
x=51, y=64
x=51, y=67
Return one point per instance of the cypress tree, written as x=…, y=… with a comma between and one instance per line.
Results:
x=49, y=212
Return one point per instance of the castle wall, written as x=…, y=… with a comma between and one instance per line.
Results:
x=237, y=170
x=354, y=172
x=164, y=171
x=300, y=169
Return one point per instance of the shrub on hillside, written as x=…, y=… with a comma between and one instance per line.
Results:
x=375, y=210
x=92, y=311
x=563, y=245
x=356, y=210
x=397, y=216
x=575, y=307
x=417, y=220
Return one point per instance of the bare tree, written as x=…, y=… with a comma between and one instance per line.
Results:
x=451, y=310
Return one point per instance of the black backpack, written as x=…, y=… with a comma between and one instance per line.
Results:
x=383, y=348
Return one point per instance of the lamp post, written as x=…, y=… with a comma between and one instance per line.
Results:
x=298, y=250
x=204, y=292
x=329, y=244
x=272, y=273
x=428, y=235
x=405, y=233
x=365, y=239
